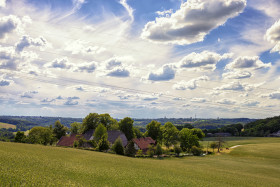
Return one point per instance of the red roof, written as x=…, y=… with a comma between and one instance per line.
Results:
x=143, y=143
x=67, y=141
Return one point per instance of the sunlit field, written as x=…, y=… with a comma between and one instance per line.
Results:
x=254, y=164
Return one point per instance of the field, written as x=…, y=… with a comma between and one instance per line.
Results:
x=255, y=163
x=6, y=125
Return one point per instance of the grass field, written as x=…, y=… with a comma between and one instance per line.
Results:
x=6, y=125
x=255, y=163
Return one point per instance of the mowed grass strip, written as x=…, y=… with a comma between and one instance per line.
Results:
x=7, y=125
x=247, y=165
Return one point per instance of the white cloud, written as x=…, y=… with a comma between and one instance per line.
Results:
x=204, y=60
x=250, y=103
x=273, y=95
x=3, y=3
x=237, y=75
x=193, y=21
x=9, y=24
x=273, y=35
x=191, y=85
x=165, y=12
x=237, y=86
x=165, y=74
x=128, y=9
x=27, y=41
x=29, y=94
x=119, y=72
x=8, y=58
x=245, y=62
x=62, y=63
x=198, y=100
x=83, y=47
x=226, y=102
x=86, y=67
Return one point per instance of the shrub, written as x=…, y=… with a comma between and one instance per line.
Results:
x=118, y=147
x=20, y=137
x=196, y=151
x=158, y=150
x=177, y=150
x=92, y=143
x=130, y=149
x=103, y=144
x=139, y=153
x=151, y=151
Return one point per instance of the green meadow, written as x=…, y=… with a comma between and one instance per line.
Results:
x=7, y=125
x=255, y=163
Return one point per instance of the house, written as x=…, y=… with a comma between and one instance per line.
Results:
x=143, y=143
x=276, y=134
x=68, y=141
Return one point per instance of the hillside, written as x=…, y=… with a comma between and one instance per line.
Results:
x=6, y=126
x=255, y=164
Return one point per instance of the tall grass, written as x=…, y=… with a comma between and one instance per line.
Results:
x=255, y=164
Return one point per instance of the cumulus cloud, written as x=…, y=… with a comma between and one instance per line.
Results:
x=83, y=47
x=8, y=58
x=47, y=101
x=237, y=75
x=86, y=67
x=250, y=103
x=198, y=100
x=4, y=82
x=62, y=63
x=273, y=35
x=27, y=41
x=193, y=21
x=117, y=67
x=118, y=72
x=237, y=86
x=3, y=3
x=226, y=102
x=29, y=94
x=204, y=60
x=245, y=62
x=191, y=85
x=273, y=95
x=165, y=74
x=8, y=24
x=72, y=101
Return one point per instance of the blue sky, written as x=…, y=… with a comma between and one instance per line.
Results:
x=143, y=59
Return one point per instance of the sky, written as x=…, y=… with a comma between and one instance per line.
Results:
x=142, y=59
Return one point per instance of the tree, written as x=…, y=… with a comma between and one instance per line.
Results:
x=158, y=150
x=213, y=145
x=154, y=130
x=198, y=132
x=239, y=127
x=20, y=137
x=169, y=134
x=188, y=139
x=126, y=126
x=108, y=121
x=103, y=144
x=130, y=149
x=196, y=151
x=40, y=135
x=220, y=142
x=59, y=130
x=91, y=121
x=151, y=151
x=177, y=150
x=76, y=128
x=118, y=147
x=137, y=132
x=99, y=132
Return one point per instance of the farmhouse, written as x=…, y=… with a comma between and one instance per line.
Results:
x=143, y=143
x=68, y=141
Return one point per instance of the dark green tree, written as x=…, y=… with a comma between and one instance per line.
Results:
x=126, y=126
x=103, y=144
x=91, y=121
x=188, y=139
x=76, y=128
x=20, y=137
x=154, y=130
x=196, y=151
x=158, y=150
x=137, y=132
x=99, y=132
x=40, y=135
x=169, y=134
x=59, y=130
x=198, y=132
x=118, y=147
x=130, y=149
x=108, y=121
x=177, y=150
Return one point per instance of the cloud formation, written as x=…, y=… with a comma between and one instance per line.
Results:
x=191, y=85
x=205, y=60
x=237, y=75
x=198, y=100
x=62, y=63
x=237, y=86
x=273, y=35
x=86, y=67
x=27, y=41
x=193, y=21
x=246, y=62
x=165, y=74
x=226, y=102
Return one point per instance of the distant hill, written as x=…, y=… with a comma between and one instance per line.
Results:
x=262, y=127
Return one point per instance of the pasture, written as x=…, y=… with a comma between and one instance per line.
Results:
x=255, y=163
x=7, y=125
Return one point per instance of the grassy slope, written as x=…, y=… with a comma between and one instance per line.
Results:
x=6, y=125
x=247, y=165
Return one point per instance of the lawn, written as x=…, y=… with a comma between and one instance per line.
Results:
x=7, y=125
x=255, y=163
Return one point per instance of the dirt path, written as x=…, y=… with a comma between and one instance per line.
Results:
x=234, y=146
